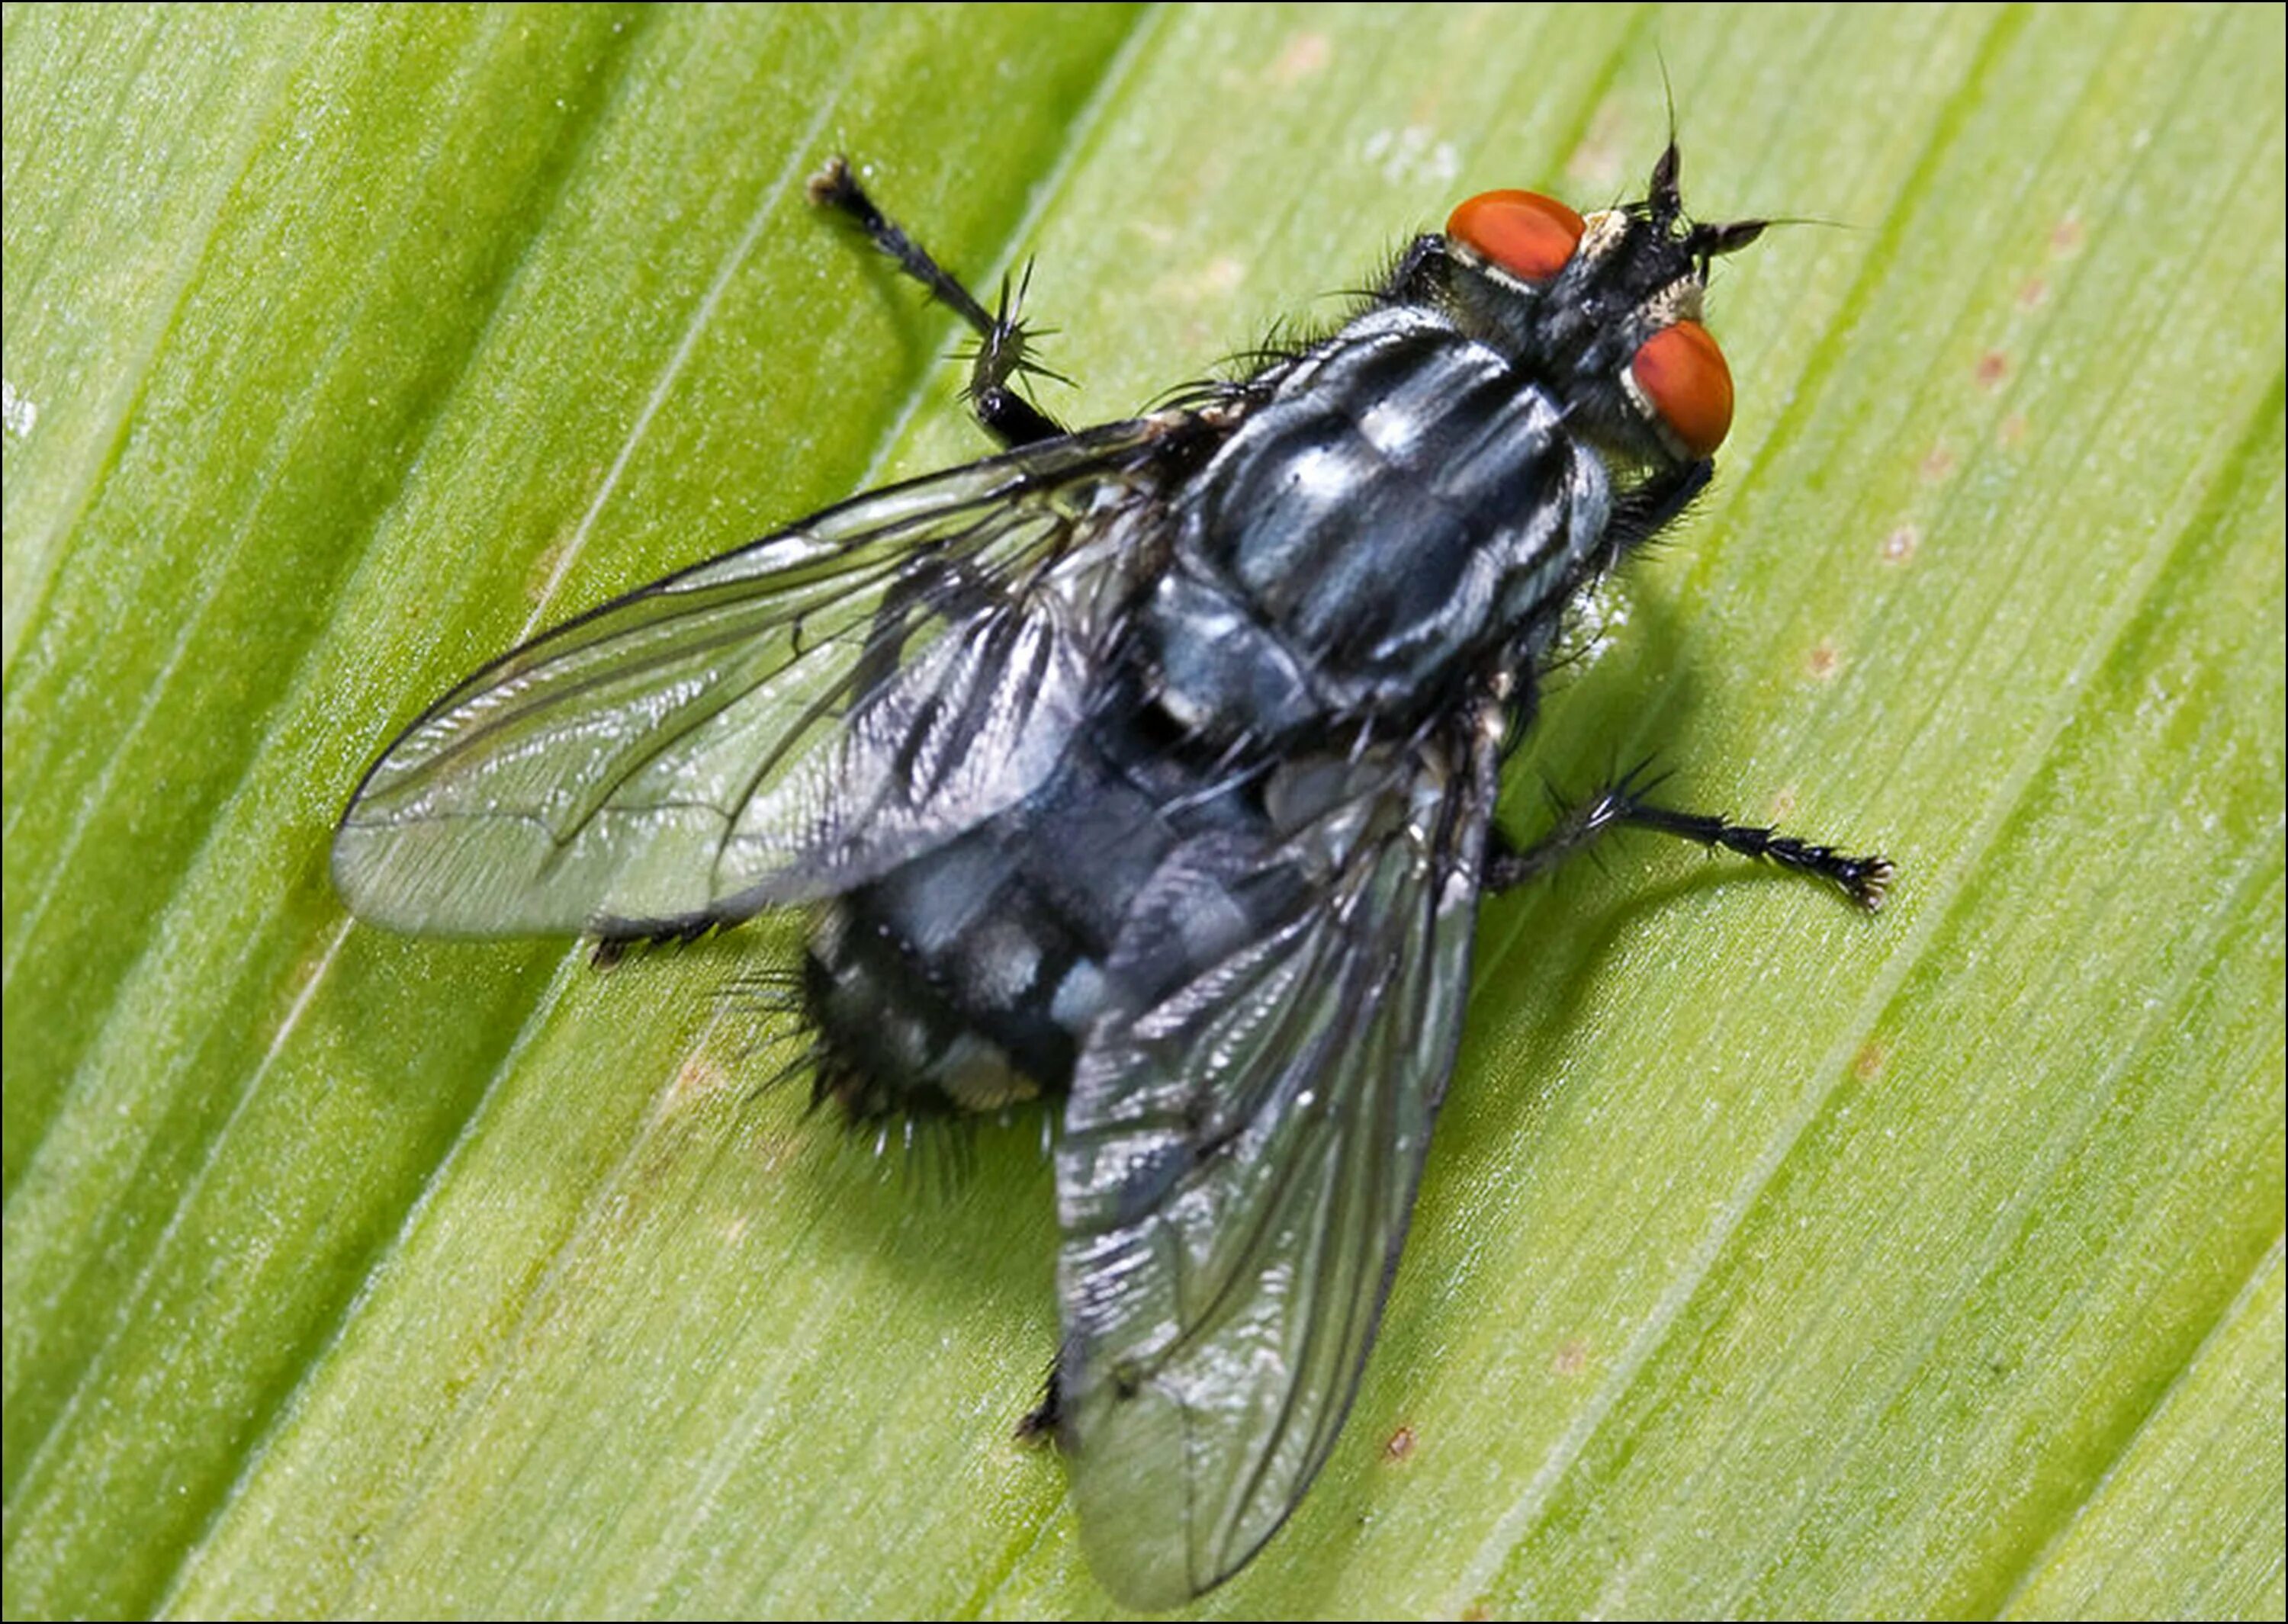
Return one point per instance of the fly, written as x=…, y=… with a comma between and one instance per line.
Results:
x=1149, y=769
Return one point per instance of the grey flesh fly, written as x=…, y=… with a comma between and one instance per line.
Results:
x=1149, y=770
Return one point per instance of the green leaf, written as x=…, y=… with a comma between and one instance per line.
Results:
x=1772, y=1260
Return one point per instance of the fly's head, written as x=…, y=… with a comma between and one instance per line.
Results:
x=1603, y=311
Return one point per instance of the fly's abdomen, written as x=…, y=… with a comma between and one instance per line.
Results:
x=964, y=979
x=1406, y=500
x=923, y=1011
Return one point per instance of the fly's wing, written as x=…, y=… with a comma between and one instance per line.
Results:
x=787, y=721
x=1238, y=1166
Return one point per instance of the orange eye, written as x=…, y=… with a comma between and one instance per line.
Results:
x=1689, y=388
x=1524, y=233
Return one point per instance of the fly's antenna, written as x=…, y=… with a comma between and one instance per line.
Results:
x=1667, y=93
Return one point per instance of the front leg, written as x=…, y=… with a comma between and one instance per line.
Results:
x=1420, y=274
x=1864, y=880
x=1002, y=344
x=1642, y=511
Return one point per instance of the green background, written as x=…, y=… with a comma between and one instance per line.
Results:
x=1771, y=1260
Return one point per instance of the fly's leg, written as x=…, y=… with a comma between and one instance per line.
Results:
x=1864, y=880
x=1041, y=1423
x=1643, y=511
x=1002, y=341
x=1420, y=273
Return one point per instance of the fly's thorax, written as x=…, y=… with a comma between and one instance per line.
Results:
x=1406, y=501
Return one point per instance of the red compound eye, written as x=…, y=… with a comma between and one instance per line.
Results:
x=1525, y=234
x=1683, y=377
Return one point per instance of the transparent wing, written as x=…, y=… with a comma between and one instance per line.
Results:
x=787, y=721
x=1238, y=1166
